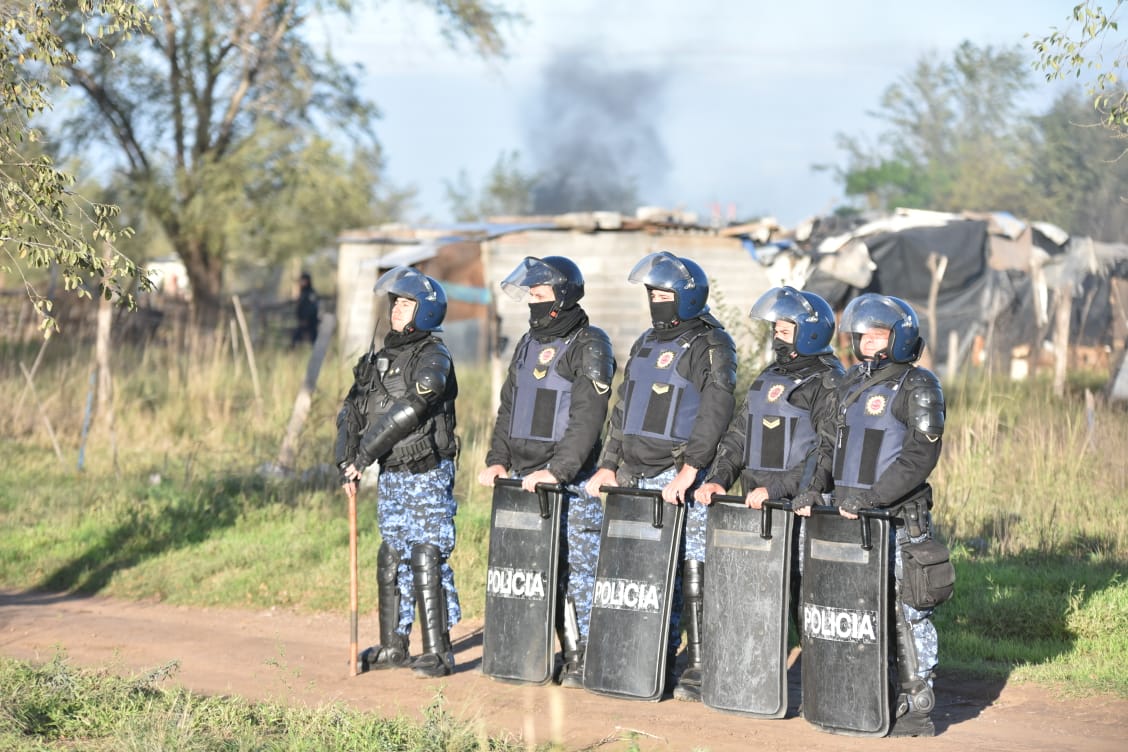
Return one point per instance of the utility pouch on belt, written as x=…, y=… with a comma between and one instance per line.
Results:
x=928, y=575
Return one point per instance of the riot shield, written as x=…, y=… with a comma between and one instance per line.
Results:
x=845, y=622
x=747, y=583
x=518, y=640
x=634, y=588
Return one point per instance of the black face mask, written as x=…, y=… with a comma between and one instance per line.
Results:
x=784, y=351
x=539, y=313
x=664, y=314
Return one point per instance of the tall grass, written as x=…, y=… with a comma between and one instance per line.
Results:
x=1030, y=493
x=56, y=706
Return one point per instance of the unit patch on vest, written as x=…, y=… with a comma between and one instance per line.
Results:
x=626, y=595
x=772, y=423
x=875, y=405
x=665, y=359
x=775, y=392
x=660, y=388
x=540, y=373
x=507, y=582
x=839, y=624
x=546, y=355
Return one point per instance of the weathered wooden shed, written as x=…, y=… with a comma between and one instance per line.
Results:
x=472, y=260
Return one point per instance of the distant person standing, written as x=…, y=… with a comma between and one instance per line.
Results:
x=307, y=312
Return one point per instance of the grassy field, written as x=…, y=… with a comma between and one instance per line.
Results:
x=170, y=503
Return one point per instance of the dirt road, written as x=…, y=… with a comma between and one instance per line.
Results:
x=297, y=658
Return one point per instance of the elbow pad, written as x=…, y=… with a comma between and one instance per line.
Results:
x=400, y=420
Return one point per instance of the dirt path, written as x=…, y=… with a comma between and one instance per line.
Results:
x=295, y=658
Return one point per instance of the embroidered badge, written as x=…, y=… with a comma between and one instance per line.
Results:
x=600, y=387
x=546, y=355
x=540, y=373
x=772, y=423
x=665, y=359
x=775, y=392
x=660, y=388
x=875, y=405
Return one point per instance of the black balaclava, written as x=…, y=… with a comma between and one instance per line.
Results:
x=538, y=313
x=784, y=351
x=664, y=314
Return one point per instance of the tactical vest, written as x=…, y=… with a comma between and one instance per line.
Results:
x=659, y=403
x=543, y=398
x=779, y=434
x=869, y=437
x=431, y=440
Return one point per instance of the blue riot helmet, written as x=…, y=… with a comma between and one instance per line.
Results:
x=873, y=311
x=681, y=276
x=428, y=294
x=812, y=316
x=559, y=273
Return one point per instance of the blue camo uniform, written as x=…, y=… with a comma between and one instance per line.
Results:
x=890, y=416
x=553, y=405
x=673, y=406
x=400, y=413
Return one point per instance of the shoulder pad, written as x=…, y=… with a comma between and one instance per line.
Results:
x=597, y=361
x=722, y=358
x=432, y=370
x=711, y=320
x=926, y=402
x=720, y=338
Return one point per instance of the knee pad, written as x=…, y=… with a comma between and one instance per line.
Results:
x=387, y=564
x=693, y=579
x=426, y=557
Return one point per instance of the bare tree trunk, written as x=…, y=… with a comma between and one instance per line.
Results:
x=289, y=450
x=1062, y=315
x=250, y=347
x=937, y=264
x=102, y=347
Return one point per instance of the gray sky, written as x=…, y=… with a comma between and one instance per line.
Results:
x=742, y=96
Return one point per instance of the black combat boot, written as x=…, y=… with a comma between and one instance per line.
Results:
x=688, y=687
x=913, y=723
x=573, y=648
x=438, y=656
x=392, y=652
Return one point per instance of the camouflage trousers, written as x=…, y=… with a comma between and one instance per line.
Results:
x=692, y=544
x=414, y=509
x=582, y=520
x=924, y=632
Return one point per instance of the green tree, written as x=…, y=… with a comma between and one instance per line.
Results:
x=1091, y=48
x=953, y=138
x=506, y=191
x=43, y=220
x=1079, y=171
x=217, y=119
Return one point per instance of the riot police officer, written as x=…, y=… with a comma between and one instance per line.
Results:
x=565, y=363
x=674, y=404
x=772, y=444
x=400, y=413
x=890, y=416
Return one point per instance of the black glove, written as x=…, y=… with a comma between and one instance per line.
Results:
x=341, y=466
x=806, y=499
x=857, y=501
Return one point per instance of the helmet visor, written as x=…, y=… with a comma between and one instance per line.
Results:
x=405, y=282
x=662, y=270
x=782, y=303
x=872, y=312
x=531, y=272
